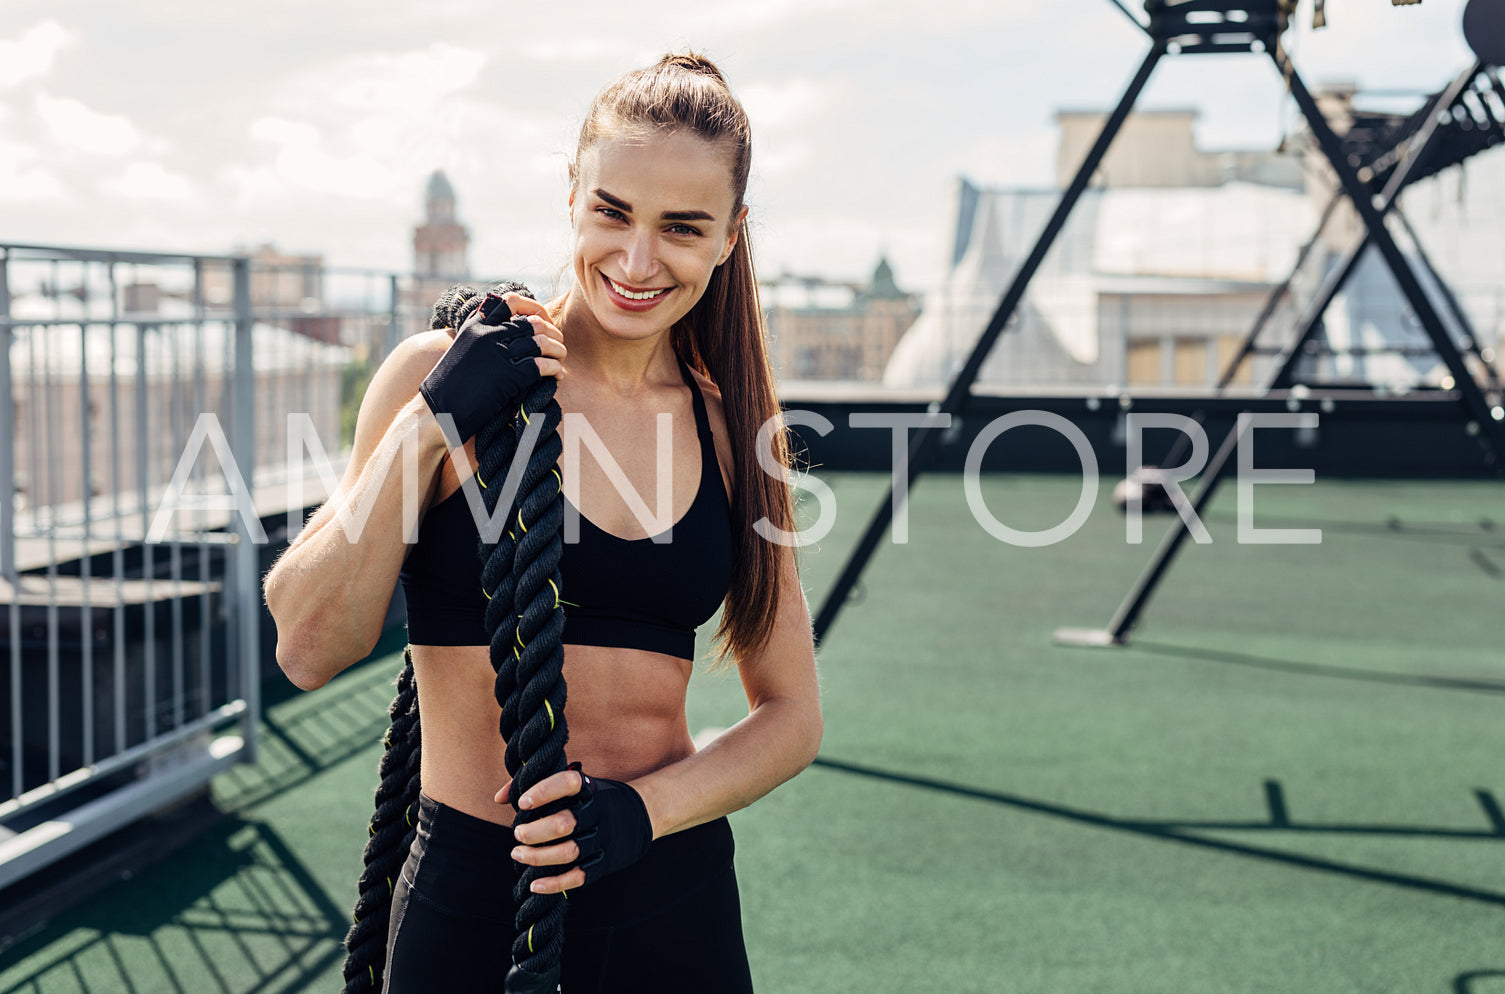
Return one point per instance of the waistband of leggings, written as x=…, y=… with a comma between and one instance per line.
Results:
x=450, y=828
x=674, y=866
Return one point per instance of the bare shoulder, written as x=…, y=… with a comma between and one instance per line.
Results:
x=401, y=373
x=395, y=382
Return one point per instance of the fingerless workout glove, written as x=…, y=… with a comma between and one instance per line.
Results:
x=488, y=368
x=612, y=827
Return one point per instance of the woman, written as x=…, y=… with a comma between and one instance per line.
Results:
x=662, y=318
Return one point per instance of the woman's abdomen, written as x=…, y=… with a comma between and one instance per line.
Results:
x=625, y=711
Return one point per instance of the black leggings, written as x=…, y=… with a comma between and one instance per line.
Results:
x=669, y=923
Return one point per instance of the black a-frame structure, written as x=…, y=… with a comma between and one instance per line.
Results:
x=1372, y=167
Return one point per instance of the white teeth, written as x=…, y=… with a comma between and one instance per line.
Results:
x=630, y=295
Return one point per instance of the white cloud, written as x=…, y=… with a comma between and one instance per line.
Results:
x=73, y=124
x=302, y=160
x=1027, y=160
x=282, y=131
x=23, y=180
x=32, y=55
x=150, y=181
x=586, y=50
x=399, y=83
x=787, y=102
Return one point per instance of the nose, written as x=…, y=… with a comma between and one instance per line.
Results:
x=638, y=256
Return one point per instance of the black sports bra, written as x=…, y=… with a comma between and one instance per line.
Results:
x=628, y=593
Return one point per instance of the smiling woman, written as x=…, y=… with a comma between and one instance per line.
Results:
x=660, y=357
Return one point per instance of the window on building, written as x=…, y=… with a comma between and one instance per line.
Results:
x=1142, y=362
x=1189, y=363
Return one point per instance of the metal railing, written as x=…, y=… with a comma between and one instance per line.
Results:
x=144, y=399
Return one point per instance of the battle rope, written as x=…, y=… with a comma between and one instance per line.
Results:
x=525, y=620
x=392, y=827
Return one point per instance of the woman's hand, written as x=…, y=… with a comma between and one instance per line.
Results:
x=495, y=358
x=604, y=828
x=550, y=339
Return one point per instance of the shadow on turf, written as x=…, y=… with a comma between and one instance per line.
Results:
x=1392, y=527
x=349, y=716
x=235, y=912
x=1464, y=982
x=1466, y=684
x=1183, y=832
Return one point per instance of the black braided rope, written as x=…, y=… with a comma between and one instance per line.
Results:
x=393, y=823
x=392, y=827
x=525, y=619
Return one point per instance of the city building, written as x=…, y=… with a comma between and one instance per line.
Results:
x=441, y=247
x=1171, y=253
x=822, y=329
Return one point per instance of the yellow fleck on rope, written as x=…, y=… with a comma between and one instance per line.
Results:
x=488, y=596
x=524, y=413
x=520, y=521
x=480, y=481
x=549, y=708
x=371, y=970
x=555, y=471
x=556, y=593
x=530, y=938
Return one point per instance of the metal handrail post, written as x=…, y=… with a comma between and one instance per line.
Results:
x=394, y=313
x=247, y=604
x=8, y=436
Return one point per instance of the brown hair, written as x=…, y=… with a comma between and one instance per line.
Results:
x=723, y=335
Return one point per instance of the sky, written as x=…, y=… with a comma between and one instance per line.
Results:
x=314, y=124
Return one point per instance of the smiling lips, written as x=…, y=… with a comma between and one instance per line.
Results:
x=634, y=300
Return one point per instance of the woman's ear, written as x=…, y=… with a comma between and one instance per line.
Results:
x=731, y=240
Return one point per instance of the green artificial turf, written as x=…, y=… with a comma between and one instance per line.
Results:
x=1290, y=780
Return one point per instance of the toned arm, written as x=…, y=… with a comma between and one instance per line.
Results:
x=779, y=737
x=328, y=592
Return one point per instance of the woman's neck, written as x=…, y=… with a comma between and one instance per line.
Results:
x=619, y=364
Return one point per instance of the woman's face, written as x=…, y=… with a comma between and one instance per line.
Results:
x=652, y=221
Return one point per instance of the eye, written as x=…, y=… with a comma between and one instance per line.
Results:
x=683, y=229
x=612, y=213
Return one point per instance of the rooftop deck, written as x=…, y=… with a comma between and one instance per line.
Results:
x=1290, y=781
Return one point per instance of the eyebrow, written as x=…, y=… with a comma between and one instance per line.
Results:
x=625, y=207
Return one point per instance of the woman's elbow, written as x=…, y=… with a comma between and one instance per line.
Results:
x=301, y=665
x=311, y=655
x=815, y=730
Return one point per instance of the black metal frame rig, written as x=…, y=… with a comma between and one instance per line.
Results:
x=1452, y=125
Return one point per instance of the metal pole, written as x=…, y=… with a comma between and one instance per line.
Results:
x=923, y=442
x=1491, y=432
x=85, y=561
x=1273, y=302
x=394, y=329
x=1422, y=142
x=1128, y=612
x=1470, y=338
x=247, y=604
x=8, y=523
x=7, y=437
